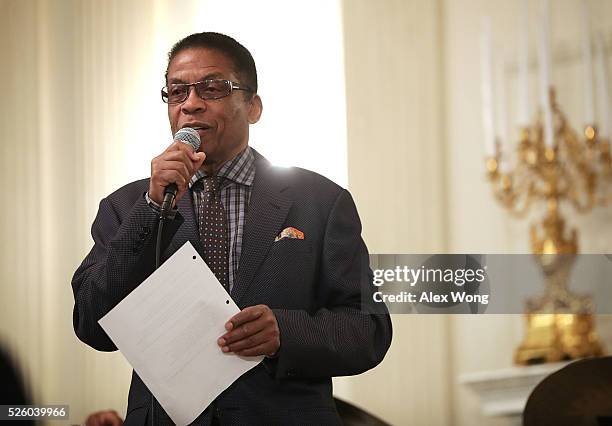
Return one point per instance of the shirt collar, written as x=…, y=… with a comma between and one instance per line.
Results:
x=240, y=169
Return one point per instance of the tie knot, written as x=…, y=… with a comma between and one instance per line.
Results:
x=212, y=184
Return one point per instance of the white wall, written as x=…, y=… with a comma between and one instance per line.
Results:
x=396, y=175
x=416, y=169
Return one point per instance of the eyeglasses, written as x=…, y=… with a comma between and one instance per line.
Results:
x=208, y=89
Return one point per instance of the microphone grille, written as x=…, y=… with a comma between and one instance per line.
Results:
x=189, y=136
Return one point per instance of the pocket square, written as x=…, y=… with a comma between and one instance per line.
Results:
x=290, y=232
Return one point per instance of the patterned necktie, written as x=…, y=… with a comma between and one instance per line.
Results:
x=213, y=230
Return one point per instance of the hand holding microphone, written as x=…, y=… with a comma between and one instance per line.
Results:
x=172, y=170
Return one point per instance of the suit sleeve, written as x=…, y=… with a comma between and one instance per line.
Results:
x=121, y=258
x=350, y=333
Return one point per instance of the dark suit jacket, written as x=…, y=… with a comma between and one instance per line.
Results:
x=319, y=289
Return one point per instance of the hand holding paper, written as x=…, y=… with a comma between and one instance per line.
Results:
x=252, y=331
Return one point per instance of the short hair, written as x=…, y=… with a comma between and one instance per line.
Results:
x=240, y=56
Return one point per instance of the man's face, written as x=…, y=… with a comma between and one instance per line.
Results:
x=223, y=123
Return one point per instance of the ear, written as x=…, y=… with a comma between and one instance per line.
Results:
x=255, y=109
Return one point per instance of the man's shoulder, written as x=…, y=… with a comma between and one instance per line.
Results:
x=302, y=182
x=306, y=182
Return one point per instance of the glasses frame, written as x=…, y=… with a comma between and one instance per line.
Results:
x=232, y=85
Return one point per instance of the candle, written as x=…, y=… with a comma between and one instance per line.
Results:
x=486, y=81
x=602, y=90
x=502, y=127
x=523, y=69
x=500, y=95
x=545, y=67
x=589, y=115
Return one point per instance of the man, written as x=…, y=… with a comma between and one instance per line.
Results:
x=285, y=243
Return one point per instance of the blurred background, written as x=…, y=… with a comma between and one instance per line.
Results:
x=381, y=96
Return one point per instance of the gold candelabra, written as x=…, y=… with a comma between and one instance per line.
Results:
x=574, y=171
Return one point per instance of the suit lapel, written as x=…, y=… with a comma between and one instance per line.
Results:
x=188, y=231
x=268, y=209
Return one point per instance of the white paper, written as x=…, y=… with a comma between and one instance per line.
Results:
x=167, y=328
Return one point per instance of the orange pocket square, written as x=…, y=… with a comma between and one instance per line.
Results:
x=290, y=232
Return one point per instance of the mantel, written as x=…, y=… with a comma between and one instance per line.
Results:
x=503, y=393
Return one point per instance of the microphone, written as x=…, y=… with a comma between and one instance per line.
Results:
x=188, y=136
